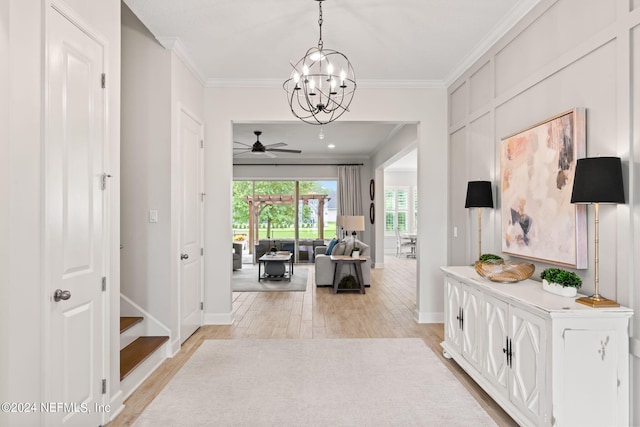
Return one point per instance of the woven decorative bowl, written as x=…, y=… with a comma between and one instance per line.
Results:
x=505, y=271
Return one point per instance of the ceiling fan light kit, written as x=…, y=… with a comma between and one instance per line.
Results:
x=321, y=85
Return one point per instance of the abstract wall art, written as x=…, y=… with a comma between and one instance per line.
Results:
x=537, y=169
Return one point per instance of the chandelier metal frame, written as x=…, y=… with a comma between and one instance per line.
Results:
x=321, y=85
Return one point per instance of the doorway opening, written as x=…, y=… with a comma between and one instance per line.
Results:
x=289, y=215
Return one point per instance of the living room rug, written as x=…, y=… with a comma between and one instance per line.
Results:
x=246, y=280
x=314, y=382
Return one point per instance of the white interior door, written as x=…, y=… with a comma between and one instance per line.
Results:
x=191, y=226
x=74, y=228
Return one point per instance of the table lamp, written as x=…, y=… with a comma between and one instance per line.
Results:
x=479, y=195
x=353, y=223
x=597, y=180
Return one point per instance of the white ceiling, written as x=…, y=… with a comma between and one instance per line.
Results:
x=390, y=43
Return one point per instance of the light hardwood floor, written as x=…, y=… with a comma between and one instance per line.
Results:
x=385, y=311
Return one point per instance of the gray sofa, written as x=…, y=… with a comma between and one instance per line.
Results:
x=237, y=256
x=264, y=245
x=325, y=269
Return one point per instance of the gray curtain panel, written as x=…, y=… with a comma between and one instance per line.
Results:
x=349, y=190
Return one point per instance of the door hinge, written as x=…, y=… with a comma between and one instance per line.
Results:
x=201, y=251
x=104, y=284
x=104, y=386
x=201, y=305
x=202, y=143
x=202, y=196
x=103, y=80
x=103, y=181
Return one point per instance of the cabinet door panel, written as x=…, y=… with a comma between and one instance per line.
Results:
x=471, y=326
x=495, y=334
x=527, y=368
x=452, y=311
x=586, y=387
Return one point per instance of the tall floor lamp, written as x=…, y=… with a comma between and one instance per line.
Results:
x=598, y=180
x=479, y=195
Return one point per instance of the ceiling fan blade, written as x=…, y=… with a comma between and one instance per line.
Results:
x=268, y=154
x=277, y=144
x=242, y=152
x=283, y=150
x=242, y=143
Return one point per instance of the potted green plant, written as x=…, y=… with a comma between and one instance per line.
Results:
x=355, y=252
x=495, y=259
x=560, y=282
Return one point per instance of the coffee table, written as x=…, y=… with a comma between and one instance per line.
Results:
x=275, y=266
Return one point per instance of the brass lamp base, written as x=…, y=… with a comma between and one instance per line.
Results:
x=596, y=301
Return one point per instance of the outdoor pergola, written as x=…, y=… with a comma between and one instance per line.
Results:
x=258, y=202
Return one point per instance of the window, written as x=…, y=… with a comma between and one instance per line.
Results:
x=396, y=209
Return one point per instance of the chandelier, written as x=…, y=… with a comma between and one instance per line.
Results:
x=321, y=85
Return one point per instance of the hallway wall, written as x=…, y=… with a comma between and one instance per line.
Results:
x=562, y=55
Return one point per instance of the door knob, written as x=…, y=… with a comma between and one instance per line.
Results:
x=184, y=256
x=59, y=294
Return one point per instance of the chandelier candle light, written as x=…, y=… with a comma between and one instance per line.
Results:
x=321, y=85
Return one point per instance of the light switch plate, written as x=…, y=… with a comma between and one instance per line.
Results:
x=153, y=215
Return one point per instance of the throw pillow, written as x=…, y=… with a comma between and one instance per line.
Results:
x=331, y=245
x=338, y=249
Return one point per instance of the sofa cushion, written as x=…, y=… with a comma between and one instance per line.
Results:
x=339, y=249
x=334, y=241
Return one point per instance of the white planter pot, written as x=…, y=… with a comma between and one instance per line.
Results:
x=554, y=288
x=355, y=254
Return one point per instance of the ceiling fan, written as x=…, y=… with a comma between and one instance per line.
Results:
x=259, y=148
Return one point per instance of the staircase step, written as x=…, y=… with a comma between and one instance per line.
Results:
x=128, y=321
x=135, y=353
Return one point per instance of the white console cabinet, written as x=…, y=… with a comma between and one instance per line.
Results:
x=547, y=360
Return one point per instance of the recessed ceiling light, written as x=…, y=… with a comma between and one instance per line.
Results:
x=331, y=146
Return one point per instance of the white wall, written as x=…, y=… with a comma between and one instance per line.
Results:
x=564, y=54
x=22, y=294
x=223, y=106
x=156, y=87
x=23, y=23
x=146, y=168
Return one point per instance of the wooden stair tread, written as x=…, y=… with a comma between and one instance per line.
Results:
x=135, y=353
x=128, y=321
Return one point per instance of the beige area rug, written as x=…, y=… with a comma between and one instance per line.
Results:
x=246, y=280
x=321, y=382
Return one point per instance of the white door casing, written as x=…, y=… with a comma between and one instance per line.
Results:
x=191, y=201
x=75, y=239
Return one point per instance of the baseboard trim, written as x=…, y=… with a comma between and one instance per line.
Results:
x=115, y=405
x=421, y=317
x=218, y=319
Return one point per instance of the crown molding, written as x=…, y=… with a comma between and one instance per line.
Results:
x=362, y=83
x=514, y=16
x=174, y=44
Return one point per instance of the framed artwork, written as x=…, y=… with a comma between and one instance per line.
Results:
x=537, y=166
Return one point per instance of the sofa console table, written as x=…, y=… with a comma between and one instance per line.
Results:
x=547, y=360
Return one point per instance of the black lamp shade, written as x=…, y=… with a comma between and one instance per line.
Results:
x=479, y=195
x=598, y=180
